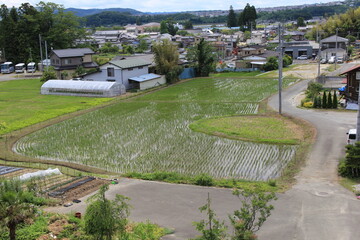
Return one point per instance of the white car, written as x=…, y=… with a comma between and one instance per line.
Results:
x=332, y=59
x=302, y=57
x=351, y=139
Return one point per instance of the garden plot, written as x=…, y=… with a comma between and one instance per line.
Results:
x=151, y=133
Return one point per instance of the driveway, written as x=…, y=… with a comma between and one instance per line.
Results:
x=317, y=207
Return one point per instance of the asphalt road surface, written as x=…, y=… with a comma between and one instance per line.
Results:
x=316, y=208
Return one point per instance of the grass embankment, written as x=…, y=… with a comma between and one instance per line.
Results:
x=262, y=129
x=22, y=104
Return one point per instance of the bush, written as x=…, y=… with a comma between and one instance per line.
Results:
x=49, y=73
x=204, y=180
x=313, y=89
x=308, y=104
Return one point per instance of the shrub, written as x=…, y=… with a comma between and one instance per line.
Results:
x=308, y=104
x=335, y=101
x=204, y=180
x=313, y=89
x=49, y=73
x=272, y=183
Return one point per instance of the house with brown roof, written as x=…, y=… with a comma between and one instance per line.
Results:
x=66, y=61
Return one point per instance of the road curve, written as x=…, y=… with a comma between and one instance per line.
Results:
x=317, y=207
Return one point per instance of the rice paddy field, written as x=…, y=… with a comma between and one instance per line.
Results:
x=151, y=133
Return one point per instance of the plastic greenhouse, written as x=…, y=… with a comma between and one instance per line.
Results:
x=82, y=88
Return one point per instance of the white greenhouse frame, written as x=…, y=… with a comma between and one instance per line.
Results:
x=82, y=88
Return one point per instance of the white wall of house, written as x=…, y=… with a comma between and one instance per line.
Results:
x=120, y=75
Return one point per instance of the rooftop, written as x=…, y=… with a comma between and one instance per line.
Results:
x=130, y=63
x=72, y=52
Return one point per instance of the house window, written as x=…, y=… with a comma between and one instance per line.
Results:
x=53, y=61
x=130, y=69
x=57, y=61
x=141, y=67
x=67, y=61
x=110, y=72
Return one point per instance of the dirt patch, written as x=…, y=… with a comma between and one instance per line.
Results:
x=82, y=190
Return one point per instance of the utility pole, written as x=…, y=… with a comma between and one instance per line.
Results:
x=46, y=55
x=319, y=52
x=41, y=54
x=336, y=46
x=280, y=65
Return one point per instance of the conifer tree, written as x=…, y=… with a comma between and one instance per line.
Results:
x=231, y=20
x=329, y=100
x=335, y=100
x=324, y=100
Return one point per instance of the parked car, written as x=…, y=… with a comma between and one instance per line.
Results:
x=302, y=57
x=351, y=139
x=323, y=61
x=332, y=59
x=340, y=60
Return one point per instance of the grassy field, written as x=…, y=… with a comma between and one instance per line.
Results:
x=263, y=129
x=151, y=133
x=22, y=104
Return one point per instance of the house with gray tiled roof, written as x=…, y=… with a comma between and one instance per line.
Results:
x=120, y=71
x=334, y=46
x=66, y=61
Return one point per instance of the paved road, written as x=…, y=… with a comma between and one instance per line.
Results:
x=315, y=208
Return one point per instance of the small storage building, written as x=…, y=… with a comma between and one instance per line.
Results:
x=82, y=88
x=147, y=81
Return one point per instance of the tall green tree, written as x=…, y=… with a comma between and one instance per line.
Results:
x=300, y=22
x=166, y=59
x=254, y=211
x=231, y=20
x=335, y=100
x=203, y=57
x=212, y=228
x=20, y=29
x=188, y=25
x=103, y=217
x=247, y=18
x=16, y=205
x=324, y=100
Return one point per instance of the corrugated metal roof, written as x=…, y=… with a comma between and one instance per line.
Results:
x=334, y=39
x=79, y=85
x=145, y=77
x=130, y=63
x=72, y=52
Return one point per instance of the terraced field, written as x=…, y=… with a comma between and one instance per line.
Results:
x=151, y=133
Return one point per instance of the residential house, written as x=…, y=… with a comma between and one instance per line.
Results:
x=334, y=46
x=295, y=35
x=120, y=71
x=66, y=61
x=352, y=84
x=250, y=50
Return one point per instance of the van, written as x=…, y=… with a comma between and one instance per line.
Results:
x=20, y=68
x=351, y=139
x=31, y=67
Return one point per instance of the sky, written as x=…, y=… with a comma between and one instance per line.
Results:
x=166, y=5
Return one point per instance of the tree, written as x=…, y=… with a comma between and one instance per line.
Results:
x=247, y=18
x=271, y=64
x=16, y=205
x=188, y=25
x=313, y=89
x=166, y=59
x=253, y=213
x=103, y=217
x=351, y=165
x=287, y=60
x=324, y=100
x=329, y=100
x=300, y=22
x=109, y=48
x=202, y=55
x=168, y=27
x=231, y=20
x=212, y=228
x=163, y=27
x=335, y=101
